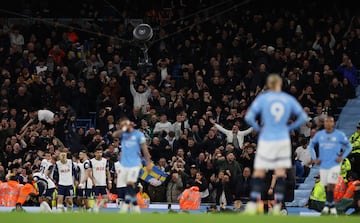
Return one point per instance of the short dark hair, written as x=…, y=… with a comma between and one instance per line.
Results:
x=83, y=151
x=98, y=148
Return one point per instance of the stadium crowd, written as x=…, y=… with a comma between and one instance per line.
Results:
x=190, y=105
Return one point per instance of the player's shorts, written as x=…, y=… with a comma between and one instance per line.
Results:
x=127, y=174
x=66, y=191
x=99, y=190
x=330, y=176
x=45, y=192
x=83, y=193
x=49, y=193
x=273, y=154
x=121, y=191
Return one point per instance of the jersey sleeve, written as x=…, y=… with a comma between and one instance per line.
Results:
x=113, y=171
x=51, y=167
x=56, y=173
x=346, y=145
x=107, y=164
x=87, y=165
x=142, y=138
x=36, y=178
x=74, y=171
x=313, y=142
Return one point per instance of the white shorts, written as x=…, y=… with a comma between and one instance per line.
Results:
x=273, y=154
x=127, y=174
x=330, y=176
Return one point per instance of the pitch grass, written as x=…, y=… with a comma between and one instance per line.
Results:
x=164, y=218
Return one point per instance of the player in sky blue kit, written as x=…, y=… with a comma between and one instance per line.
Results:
x=133, y=142
x=275, y=108
x=334, y=146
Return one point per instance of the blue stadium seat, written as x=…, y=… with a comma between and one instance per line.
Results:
x=85, y=123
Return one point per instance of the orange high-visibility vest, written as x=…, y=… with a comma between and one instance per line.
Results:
x=25, y=191
x=351, y=188
x=190, y=199
x=141, y=199
x=9, y=193
x=339, y=189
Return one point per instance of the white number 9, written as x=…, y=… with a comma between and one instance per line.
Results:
x=277, y=110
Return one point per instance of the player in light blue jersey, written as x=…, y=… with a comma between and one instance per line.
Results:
x=133, y=142
x=275, y=109
x=334, y=146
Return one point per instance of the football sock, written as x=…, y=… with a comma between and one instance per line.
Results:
x=330, y=198
x=280, y=189
x=257, y=185
x=130, y=196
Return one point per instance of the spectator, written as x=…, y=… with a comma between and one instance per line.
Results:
x=242, y=185
x=223, y=189
x=234, y=136
x=163, y=126
x=212, y=71
x=229, y=165
x=174, y=188
x=348, y=70
x=302, y=154
x=140, y=96
x=16, y=40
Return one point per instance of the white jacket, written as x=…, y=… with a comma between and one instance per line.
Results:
x=229, y=134
x=140, y=99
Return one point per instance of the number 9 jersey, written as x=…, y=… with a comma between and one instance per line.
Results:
x=274, y=145
x=275, y=110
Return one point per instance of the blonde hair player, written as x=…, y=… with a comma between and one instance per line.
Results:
x=275, y=109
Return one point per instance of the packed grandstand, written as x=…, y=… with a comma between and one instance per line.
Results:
x=69, y=73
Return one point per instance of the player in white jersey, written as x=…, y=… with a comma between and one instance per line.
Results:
x=64, y=174
x=120, y=183
x=46, y=188
x=85, y=180
x=101, y=178
x=47, y=165
x=133, y=142
x=275, y=109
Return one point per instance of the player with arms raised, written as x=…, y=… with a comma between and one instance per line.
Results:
x=275, y=109
x=133, y=142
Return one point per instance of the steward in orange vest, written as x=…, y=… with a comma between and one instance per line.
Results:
x=190, y=199
x=25, y=193
x=9, y=192
x=339, y=190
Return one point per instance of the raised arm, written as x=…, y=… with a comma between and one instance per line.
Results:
x=221, y=129
x=247, y=131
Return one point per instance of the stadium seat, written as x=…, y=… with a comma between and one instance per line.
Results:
x=85, y=123
x=301, y=198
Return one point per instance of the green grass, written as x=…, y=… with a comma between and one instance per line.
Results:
x=166, y=218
